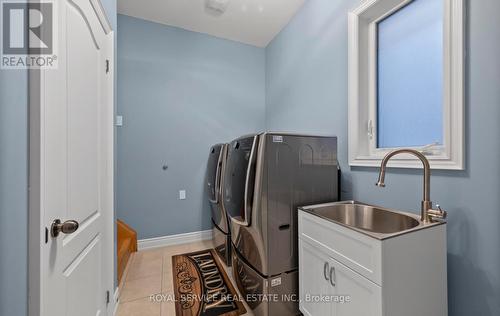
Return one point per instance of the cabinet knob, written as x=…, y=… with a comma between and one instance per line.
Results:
x=333, y=277
x=325, y=270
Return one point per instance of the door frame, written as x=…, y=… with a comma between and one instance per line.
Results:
x=36, y=234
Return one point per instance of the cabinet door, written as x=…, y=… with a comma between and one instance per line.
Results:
x=314, y=284
x=365, y=297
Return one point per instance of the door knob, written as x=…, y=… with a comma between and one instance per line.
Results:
x=68, y=227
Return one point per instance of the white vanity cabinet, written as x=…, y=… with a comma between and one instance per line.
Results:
x=314, y=280
x=343, y=272
x=325, y=284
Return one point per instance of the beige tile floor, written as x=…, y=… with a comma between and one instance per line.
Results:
x=148, y=273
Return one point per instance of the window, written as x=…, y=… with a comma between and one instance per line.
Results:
x=410, y=76
x=406, y=82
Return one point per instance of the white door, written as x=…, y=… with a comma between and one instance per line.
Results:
x=314, y=281
x=365, y=296
x=76, y=166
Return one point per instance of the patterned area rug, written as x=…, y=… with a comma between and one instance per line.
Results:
x=202, y=287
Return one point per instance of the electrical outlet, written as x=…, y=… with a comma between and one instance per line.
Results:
x=182, y=194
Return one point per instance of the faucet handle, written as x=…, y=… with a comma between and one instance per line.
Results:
x=437, y=214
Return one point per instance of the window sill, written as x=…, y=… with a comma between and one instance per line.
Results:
x=436, y=162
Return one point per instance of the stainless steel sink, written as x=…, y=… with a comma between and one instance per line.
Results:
x=377, y=222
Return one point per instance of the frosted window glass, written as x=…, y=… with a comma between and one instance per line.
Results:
x=410, y=76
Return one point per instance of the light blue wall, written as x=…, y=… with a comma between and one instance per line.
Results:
x=179, y=93
x=306, y=77
x=110, y=8
x=14, y=186
x=13, y=192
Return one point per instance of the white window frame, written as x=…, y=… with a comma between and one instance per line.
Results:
x=363, y=149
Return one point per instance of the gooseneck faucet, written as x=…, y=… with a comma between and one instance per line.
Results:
x=428, y=214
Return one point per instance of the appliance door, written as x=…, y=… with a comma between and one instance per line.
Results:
x=214, y=171
x=239, y=179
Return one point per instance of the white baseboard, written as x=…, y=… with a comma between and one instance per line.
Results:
x=174, y=240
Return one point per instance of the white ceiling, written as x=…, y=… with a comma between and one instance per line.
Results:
x=254, y=22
